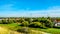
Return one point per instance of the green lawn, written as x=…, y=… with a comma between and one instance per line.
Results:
x=15, y=26
x=49, y=30
x=12, y=26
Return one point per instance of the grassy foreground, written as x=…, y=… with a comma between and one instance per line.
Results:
x=7, y=31
x=15, y=26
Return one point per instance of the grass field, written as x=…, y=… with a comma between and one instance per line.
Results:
x=51, y=30
x=15, y=26
x=12, y=26
x=6, y=29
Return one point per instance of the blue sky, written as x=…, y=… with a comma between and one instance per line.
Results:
x=29, y=8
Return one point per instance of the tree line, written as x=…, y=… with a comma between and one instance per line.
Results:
x=29, y=22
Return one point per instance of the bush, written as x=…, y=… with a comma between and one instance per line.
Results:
x=23, y=30
x=46, y=23
x=35, y=24
x=25, y=23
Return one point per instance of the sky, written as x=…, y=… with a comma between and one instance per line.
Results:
x=29, y=8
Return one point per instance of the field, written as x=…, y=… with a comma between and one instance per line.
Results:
x=15, y=26
x=49, y=30
x=5, y=29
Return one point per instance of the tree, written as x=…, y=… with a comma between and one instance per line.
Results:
x=10, y=21
x=4, y=21
x=22, y=20
x=0, y=21
x=25, y=23
x=46, y=22
x=30, y=20
x=35, y=24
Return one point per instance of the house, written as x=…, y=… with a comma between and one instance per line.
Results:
x=57, y=22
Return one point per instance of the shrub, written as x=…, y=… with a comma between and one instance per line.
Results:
x=46, y=23
x=25, y=23
x=35, y=24
x=23, y=30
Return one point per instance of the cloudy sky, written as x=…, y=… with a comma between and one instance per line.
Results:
x=29, y=8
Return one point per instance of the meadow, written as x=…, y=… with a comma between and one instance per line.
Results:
x=29, y=26
x=15, y=27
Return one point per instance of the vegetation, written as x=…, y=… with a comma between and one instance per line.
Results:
x=27, y=25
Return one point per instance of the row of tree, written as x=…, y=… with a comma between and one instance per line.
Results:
x=37, y=22
x=31, y=22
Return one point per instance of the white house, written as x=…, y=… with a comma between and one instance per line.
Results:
x=57, y=23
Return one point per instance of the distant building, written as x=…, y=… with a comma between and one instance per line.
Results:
x=57, y=22
x=0, y=18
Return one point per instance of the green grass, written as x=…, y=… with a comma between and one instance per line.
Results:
x=12, y=26
x=49, y=30
x=15, y=26
x=6, y=28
